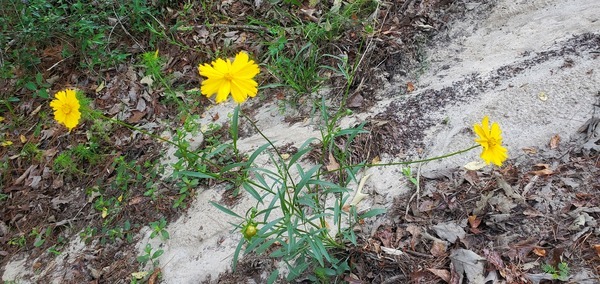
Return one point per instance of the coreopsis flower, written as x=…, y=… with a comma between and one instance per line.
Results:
x=491, y=141
x=66, y=108
x=225, y=77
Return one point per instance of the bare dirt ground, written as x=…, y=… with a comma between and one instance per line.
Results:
x=528, y=65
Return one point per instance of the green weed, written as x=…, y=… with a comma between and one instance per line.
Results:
x=150, y=256
x=158, y=229
x=18, y=241
x=561, y=272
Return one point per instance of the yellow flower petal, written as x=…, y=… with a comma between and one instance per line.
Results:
x=490, y=140
x=66, y=108
x=208, y=71
x=244, y=68
x=224, y=77
x=224, y=90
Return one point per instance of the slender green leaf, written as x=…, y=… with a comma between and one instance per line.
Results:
x=316, y=252
x=195, y=174
x=264, y=246
x=306, y=177
x=248, y=187
x=255, y=241
x=292, y=239
x=234, y=123
x=236, y=254
x=232, y=166
x=303, y=150
x=297, y=271
x=225, y=210
x=219, y=149
x=307, y=200
x=373, y=212
x=273, y=277
x=257, y=152
x=279, y=253
x=271, y=205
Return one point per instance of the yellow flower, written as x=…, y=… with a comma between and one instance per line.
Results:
x=225, y=76
x=491, y=141
x=66, y=108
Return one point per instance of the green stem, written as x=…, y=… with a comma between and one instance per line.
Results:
x=423, y=160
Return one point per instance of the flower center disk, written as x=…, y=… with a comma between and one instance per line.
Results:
x=66, y=108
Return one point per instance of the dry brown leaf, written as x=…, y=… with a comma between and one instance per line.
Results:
x=20, y=179
x=36, y=110
x=441, y=273
x=152, y=279
x=468, y=263
x=376, y=160
x=426, y=206
x=544, y=171
x=410, y=87
x=471, y=177
x=136, y=116
x=100, y=87
x=353, y=279
x=333, y=164
x=356, y=101
x=495, y=259
x=539, y=252
x=532, y=213
x=438, y=249
x=416, y=233
x=136, y=200
x=529, y=150
x=597, y=248
x=554, y=141
x=474, y=222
